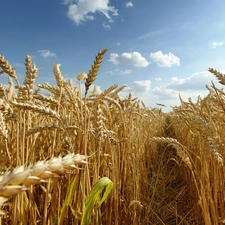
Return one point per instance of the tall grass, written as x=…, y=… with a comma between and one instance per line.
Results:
x=69, y=157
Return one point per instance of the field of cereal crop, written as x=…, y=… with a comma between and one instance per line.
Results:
x=68, y=157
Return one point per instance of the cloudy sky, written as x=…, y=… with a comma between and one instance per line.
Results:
x=157, y=48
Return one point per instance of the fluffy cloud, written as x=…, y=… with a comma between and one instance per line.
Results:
x=141, y=86
x=217, y=44
x=163, y=94
x=129, y=4
x=168, y=94
x=83, y=10
x=165, y=60
x=142, y=90
x=46, y=53
x=191, y=86
x=194, y=82
x=133, y=58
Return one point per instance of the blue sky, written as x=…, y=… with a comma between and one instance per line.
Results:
x=157, y=48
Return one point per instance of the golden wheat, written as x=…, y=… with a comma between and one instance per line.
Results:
x=94, y=70
x=167, y=167
x=7, y=68
x=220, y=76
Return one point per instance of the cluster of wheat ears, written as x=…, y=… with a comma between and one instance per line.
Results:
x=68, y=157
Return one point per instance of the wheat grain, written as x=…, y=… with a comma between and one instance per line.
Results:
x=12, y=183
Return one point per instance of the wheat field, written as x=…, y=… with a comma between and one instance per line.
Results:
x=68, y=157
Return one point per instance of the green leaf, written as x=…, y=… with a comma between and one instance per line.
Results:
x=67, y=202
x=93, y=198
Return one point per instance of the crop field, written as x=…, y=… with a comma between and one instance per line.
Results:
x=69, y=156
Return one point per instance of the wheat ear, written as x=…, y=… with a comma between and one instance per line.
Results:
x=39, y=109
x=15, y=181
x=58, y=76
x=94, y=70
x=7, y=68
x=220, y=76
x=179, y=148
x=31, y=75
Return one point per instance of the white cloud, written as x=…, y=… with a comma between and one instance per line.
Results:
x=158, y=78
x=125, y=72
x=129, y=4
x=141, y=86
x=46, y=53
x=83, y=10
x=189, y=87
x=141, y=90
x=168, y=94
x=165, y=60
x=194, y=82
x=133, y=58
x=164, y=94
x=106, y=26
x=217, y=44
x=109, y=72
